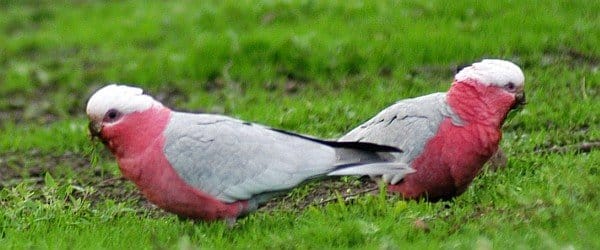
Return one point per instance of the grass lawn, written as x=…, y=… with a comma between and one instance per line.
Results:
x=314, y=67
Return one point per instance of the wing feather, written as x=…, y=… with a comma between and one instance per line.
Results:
x=407, y=124
x=235, y=160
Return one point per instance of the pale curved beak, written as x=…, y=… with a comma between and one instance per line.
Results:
x=95, y=129
x=520, y=101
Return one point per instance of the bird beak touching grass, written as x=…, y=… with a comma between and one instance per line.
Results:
x=520, y=101
x=94, y=130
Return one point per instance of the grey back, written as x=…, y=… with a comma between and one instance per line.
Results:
x=235, y=160
x=407, y=124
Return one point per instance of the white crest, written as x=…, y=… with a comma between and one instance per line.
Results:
x=493, y=72
x=123, y=98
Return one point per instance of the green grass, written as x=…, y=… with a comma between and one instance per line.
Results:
x=316, y=67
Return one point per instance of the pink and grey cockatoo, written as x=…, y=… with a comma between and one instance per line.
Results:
x=206, y=166
x=445, y=137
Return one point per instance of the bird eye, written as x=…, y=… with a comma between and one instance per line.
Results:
x=112, y=115
x=510, y=86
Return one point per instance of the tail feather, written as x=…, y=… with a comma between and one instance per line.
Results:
x=362, y=158
x=396, y=169
x=363, y=146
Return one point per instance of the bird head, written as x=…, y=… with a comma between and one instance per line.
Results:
x=499, y=73
x=108, y=106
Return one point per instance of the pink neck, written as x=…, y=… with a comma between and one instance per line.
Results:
x=136, y=132
x=478, y=103
x=137, y=142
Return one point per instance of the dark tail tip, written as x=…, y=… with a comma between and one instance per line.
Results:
x=366, y=146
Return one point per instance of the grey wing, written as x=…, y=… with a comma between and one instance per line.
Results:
x=233, y=160
x=408, y=125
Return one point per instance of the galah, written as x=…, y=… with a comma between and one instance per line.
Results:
x=207, y=166
x=445, y=137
